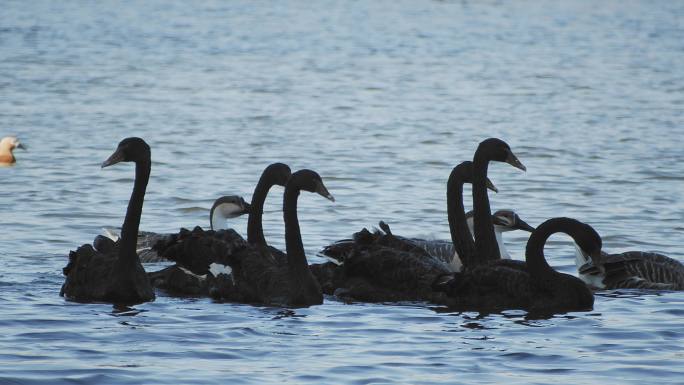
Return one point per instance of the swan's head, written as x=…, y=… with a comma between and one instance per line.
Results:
x=279, y=172
x=227, y=207
x=10, y=143
x=508, y=220
x=129, y=150
x=309, y=180
x=463, y=173
x=587, y=242
x=498, y=150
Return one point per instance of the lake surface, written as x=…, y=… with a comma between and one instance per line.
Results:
x=382, y=98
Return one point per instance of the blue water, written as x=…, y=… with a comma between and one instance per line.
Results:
x=382, y=98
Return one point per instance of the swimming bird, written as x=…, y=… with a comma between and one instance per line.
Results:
x=486, y=245
x=461, y=246
x=224, y=208
x=630, y=270
x=504, y=220
x=383, y=267
x=254, y=275
x=451, y=252
x=195, y=252
x=115, y=274
x=7, y=146
x=533, y=286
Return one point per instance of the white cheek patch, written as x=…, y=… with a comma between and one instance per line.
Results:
x=333, y=260
x=188, y=272
x=223, y=212
x=456, y=264
x=217, y=269
x=581, y=258
x=110, y=233
x=230, y=210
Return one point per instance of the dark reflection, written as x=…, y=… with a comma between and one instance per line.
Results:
x=630, y=293
x=520, y=317
x=119, y=310
x=287, y=313
x=476, y=326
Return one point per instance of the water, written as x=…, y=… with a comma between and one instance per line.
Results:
x=382, y=98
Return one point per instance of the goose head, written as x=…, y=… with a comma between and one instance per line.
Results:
x=589, y=242
x=508, y=220
x=129, y=150
x=504, y=221
x=588, y=254
x=498, y=150
x=227, y=207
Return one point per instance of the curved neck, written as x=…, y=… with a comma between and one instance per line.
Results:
x=458, y=227
x=486, y=247
x=255, y=230
x=534, y=252
x=129, y=230
x=296, y=258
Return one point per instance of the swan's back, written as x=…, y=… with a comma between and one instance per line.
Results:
x=197, y=249
x=502, y=284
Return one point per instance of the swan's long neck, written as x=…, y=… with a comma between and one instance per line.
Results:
x=539, y=269
x=129, y=230
x=255, y=231
x=486, y=247
x=460, y=235
x=296, y=258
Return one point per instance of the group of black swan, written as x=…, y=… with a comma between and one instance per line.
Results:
x=471, y=272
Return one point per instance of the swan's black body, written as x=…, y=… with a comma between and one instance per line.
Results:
x=534, y=285
x=634, y=270
x=383, y=267
x=461, y=240
x=260, y=277
x=114, y=274
x=194, y=251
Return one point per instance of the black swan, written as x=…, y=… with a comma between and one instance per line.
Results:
x=383, y=267
x=224, y=208
x=535, y=287
x=461, y=243
x=504, y=220
x=7, y=145
x=255, y=275
x=115, y=274
x=196, y=251
x=492, y=149
x=630, y=270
